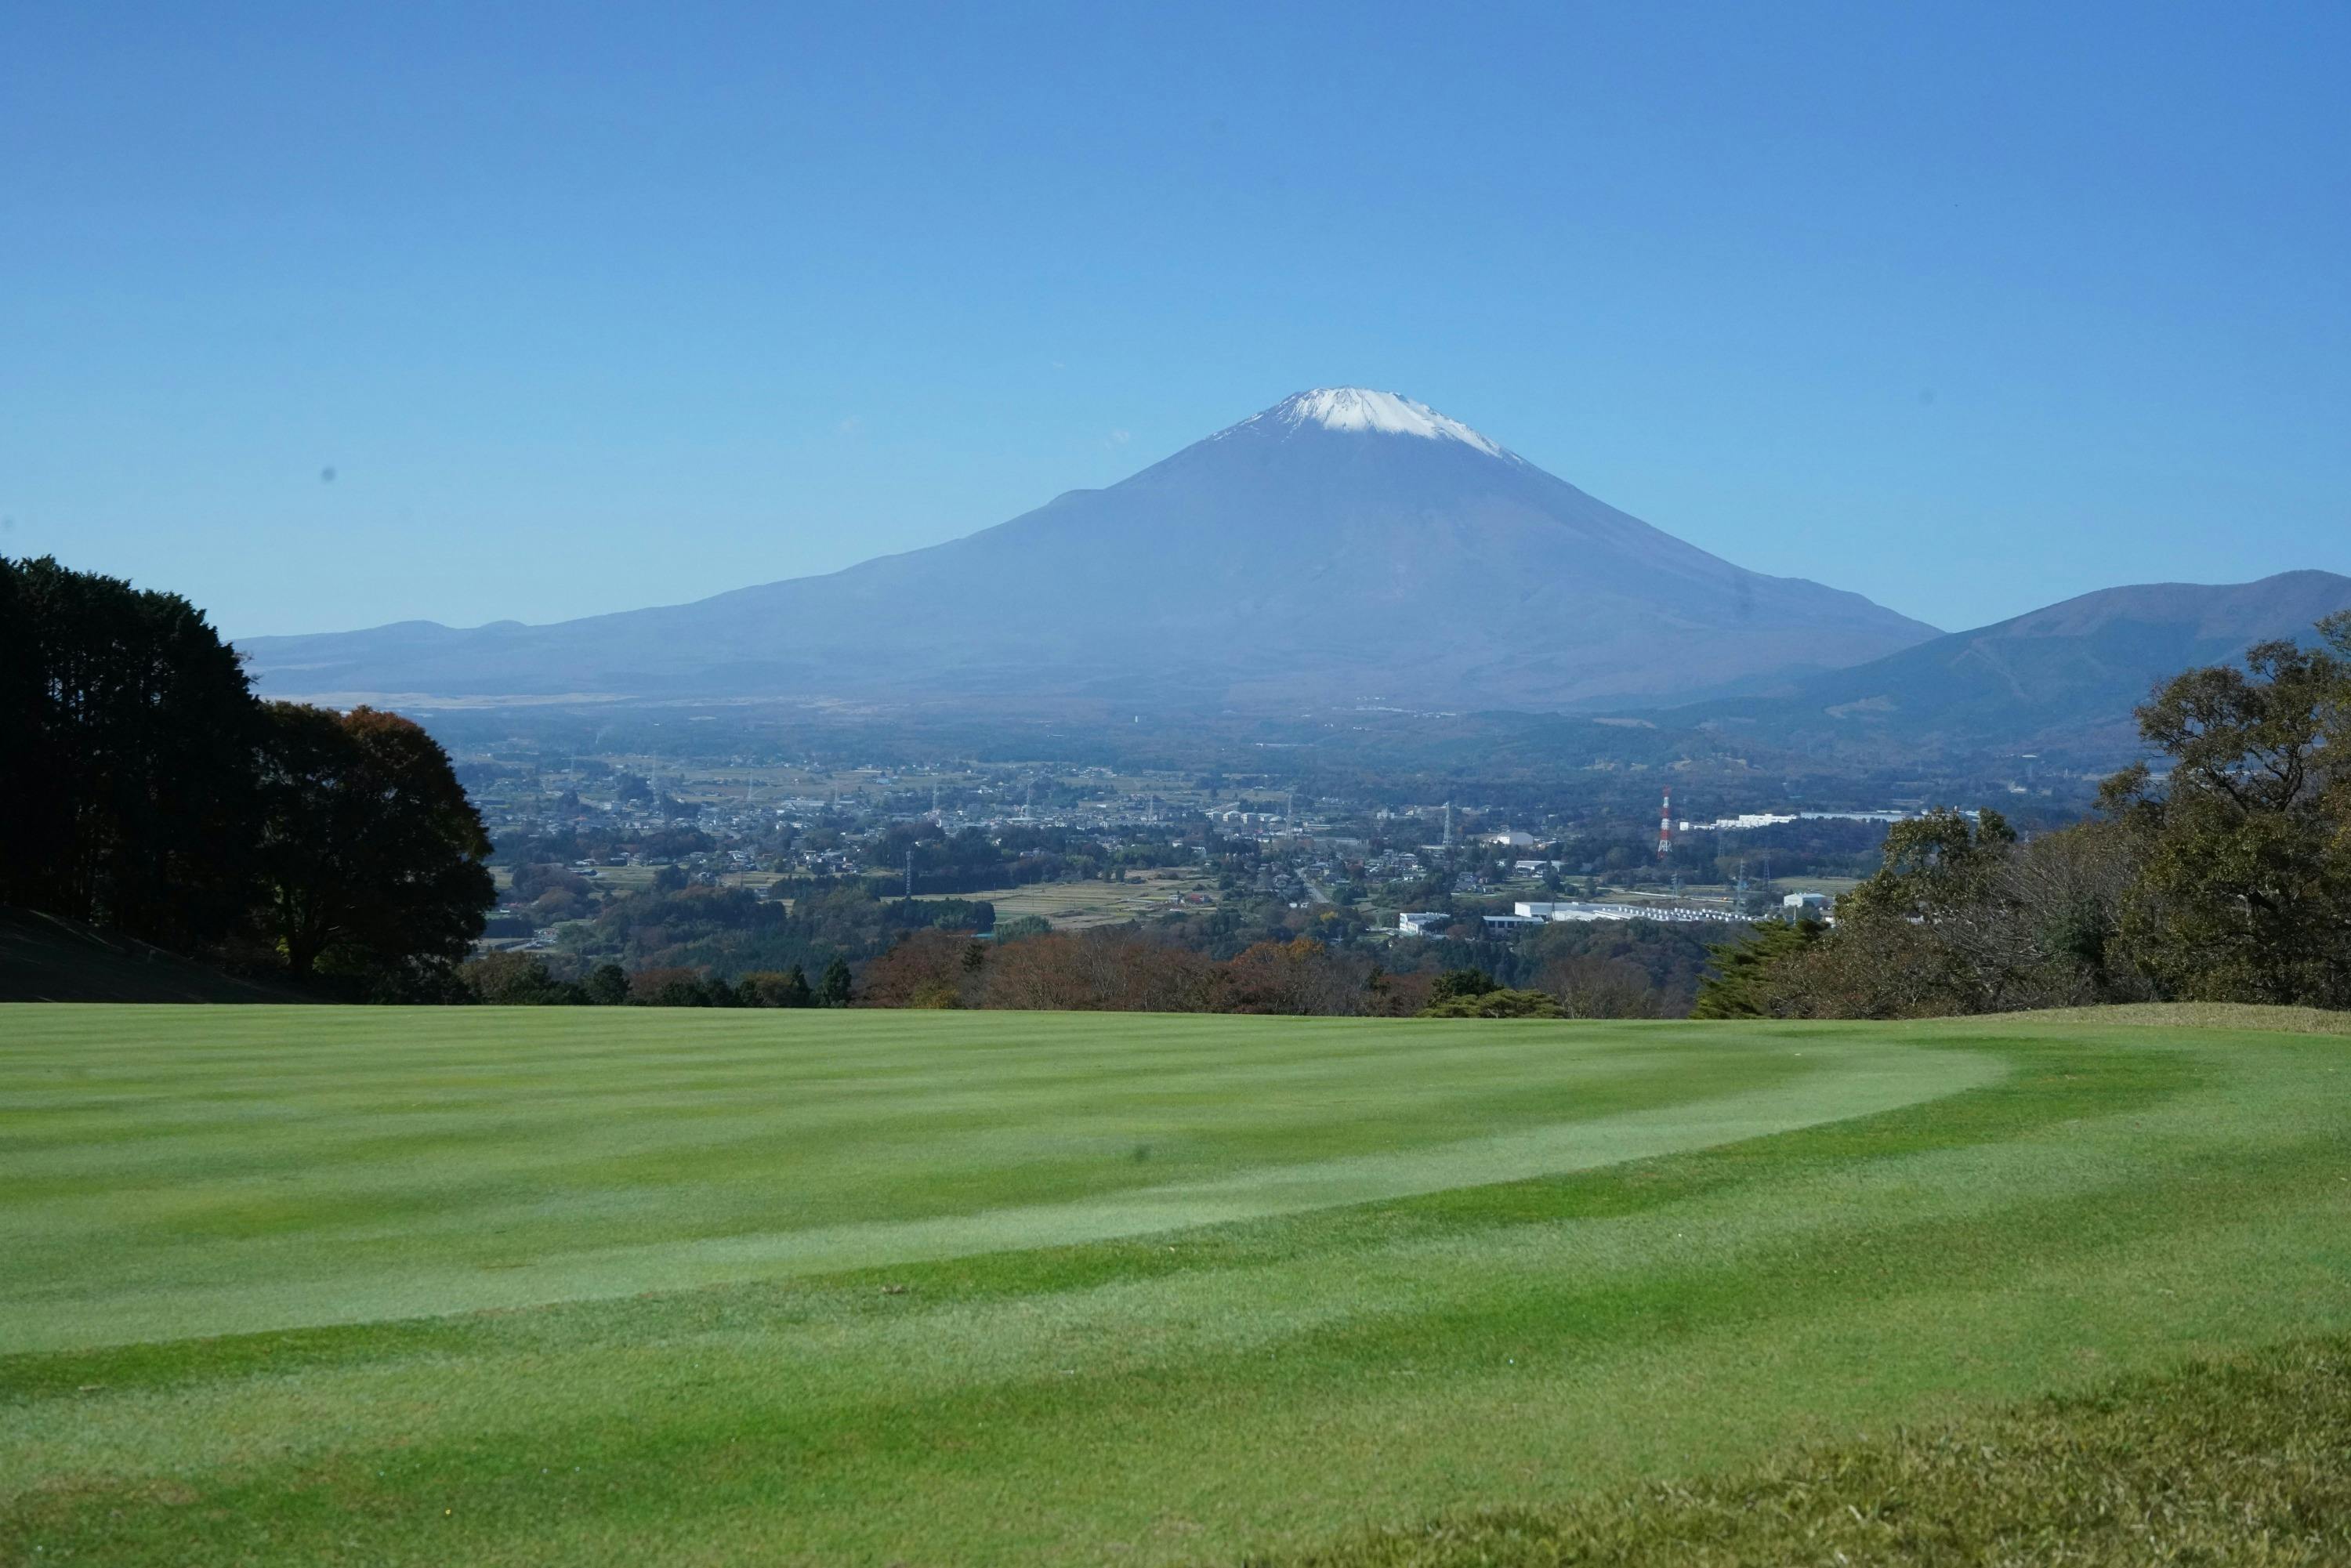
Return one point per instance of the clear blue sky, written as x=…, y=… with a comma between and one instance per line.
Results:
x=1965, y=308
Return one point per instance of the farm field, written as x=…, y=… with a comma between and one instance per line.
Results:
x=1077, y=905
x=565, y=1285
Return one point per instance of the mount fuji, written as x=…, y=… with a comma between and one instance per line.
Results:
x=1344, y=546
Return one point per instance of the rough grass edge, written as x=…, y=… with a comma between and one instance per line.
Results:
x=2202, y=1016
x=2241, y=1461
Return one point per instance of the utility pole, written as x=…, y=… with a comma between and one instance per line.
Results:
x=910, y=876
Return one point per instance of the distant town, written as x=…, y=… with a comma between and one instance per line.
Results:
x=1076, y=847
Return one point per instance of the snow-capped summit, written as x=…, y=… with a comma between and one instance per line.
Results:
x=1341, y=543
x=1363, y=409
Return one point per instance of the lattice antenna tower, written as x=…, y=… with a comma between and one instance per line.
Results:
x=1665, y=839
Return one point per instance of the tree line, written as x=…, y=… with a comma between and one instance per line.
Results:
x=523, y=979
x=2223, y=873
x=1639, y=970
x=145, y=791
x=1127, y=969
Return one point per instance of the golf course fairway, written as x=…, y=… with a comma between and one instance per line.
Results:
x=621, y=1285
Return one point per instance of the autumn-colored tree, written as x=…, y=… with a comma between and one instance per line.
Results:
x=1102, y=971
x=1588, y=987
x=371, y=854
x=1299, y=976
x=666, y=985
x=1393, y=996
x=516, y=979
x=928, y=968
x=1050, y=972
x=534, y=881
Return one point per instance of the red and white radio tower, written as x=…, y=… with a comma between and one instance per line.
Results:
x=1665, y=829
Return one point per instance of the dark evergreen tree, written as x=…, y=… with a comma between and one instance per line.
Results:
x=126, y=730
x=1461, y=983
x=1748, y=972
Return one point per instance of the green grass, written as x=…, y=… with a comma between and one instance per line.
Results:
x=567, y=1285
x=2239, y=1462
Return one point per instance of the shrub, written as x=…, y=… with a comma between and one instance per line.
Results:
x=1498, y=1003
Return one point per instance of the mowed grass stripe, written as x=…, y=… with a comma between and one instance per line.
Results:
x=2118, y=1199
x=535, y=1207
x=70, y=1136
x=556, y=1062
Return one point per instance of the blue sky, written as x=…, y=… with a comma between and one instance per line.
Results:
x=1965, y=307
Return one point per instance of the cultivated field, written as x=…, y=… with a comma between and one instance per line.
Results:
x=572, y=1285
x=1077, y=905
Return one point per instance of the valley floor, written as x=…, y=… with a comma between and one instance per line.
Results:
x=615, y=1285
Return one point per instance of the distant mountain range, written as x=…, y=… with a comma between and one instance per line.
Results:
x=1344, y=547
x=2062, y=680
x=1348, y=547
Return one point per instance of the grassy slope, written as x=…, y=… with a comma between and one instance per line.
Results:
x=46, y=959
x=1017, y=1289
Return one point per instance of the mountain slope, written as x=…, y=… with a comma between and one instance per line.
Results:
x=1344, y=545
x=2062, y=679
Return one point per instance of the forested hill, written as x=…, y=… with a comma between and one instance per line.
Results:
x=2062, y=681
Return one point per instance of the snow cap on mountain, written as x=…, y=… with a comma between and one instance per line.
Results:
x=1361, y=409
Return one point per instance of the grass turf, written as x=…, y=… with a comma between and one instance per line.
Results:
x=561, y=1285
x=2240, y=1462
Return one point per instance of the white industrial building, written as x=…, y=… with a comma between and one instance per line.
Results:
x=1579, y=909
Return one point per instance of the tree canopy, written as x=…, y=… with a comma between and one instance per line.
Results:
x=371, y=854
x=146, y=791
x=127, y=799
x=2224, y=875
